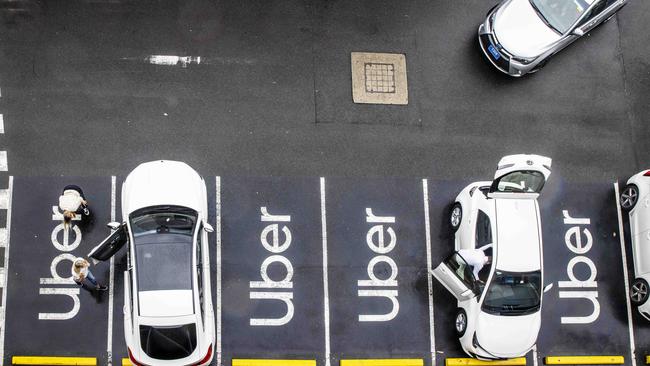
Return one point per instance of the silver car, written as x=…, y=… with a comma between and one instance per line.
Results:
x=519, y=36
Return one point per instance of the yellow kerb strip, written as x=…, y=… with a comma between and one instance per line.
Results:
x=472, y=361
x=584, y=360
x=647, y=359
x=42, y=360
x=126, y=362
x=384, y=362
x=262, y=362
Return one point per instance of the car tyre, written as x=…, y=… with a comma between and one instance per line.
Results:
x=456, y=216
x=461, y=322
x=629, y=197
x=639, y=291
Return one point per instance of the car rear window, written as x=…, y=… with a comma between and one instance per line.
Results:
x=168, y=343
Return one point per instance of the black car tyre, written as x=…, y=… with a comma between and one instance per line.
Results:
x=461, y=322
x=456, y=216
x=629, y=197
x=639, y=291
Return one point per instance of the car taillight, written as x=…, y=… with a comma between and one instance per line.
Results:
x=647, y=174
x=133, y=360
x=206, y=358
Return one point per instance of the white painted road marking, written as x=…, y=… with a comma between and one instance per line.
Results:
x=218, y=209
x=5, y=282
x=626, y=279
x=326, y=296
x=109, y=333
x=3, y=161
x=2, y=124
x=427, y=233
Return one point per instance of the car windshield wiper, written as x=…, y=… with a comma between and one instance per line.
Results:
x=543, y=18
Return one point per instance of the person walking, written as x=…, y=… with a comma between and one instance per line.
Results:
x=80, y=273
x=476, y=258
x=72, y=202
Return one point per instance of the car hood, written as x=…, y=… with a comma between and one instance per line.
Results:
x=162, y=182
x=507, y=336
x=520, y=30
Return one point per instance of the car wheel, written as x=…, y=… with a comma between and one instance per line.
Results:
x=456, y=216
x=461, y=322
x=629, y=197
x=639, y=291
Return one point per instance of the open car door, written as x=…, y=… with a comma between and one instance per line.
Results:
x=111, y=245
x=522, y=175
x=457, y=277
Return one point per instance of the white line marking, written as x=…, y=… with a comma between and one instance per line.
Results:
x=3, y=310
x=218, y=209
x=535, y=355
x=2, y=124
x=326, y=295
x=4, y=199
x=626, y=279
x=111, y=276
x=3, y=237
x=3, y=161
x=427, y=228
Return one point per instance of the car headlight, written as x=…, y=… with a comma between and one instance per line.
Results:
x=475, y=341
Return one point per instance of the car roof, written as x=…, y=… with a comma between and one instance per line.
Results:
x=518, y=238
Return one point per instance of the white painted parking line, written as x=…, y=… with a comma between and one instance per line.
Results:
x=218, y=234
x=326, y=296
x=3, y=161
x=626, y=279
x=5, y=267
x=109, y=335
x=535, y=355
x=427, y=233
x=2, y=124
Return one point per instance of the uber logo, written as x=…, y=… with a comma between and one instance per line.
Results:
x=381, y=239
x=270, y=239
x=578, y=239
x=56, y=279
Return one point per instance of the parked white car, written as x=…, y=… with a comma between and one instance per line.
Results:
x=168, y=314
x=501, y=319
x=635, y=199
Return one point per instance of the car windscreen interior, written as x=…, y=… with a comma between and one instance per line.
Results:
x=561, y=14
x=521, y=181
x=163, y=248
x=512, y=293
x=168, y=343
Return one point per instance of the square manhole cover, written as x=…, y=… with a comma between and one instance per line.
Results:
x=379, y=78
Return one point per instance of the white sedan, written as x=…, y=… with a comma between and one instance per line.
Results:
x=635, y=199
x=168, y=314
x=501, y=319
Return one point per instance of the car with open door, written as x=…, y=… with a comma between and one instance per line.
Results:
x=520, y=36
x=499, y=312
x=635, y=200
x=168, y=313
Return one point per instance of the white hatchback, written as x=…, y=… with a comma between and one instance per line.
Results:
x=168, y=314
x=635, y=199
x=501, y=319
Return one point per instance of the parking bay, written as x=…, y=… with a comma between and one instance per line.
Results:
x=363, y=322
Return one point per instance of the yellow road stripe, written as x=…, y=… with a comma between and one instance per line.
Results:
x=472, y=362
x=126, y=362
x=41, y=360
x=647, y=359
x=262, y=362
x=384, y=362
x=584, y=360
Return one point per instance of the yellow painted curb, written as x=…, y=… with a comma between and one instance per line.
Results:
x=647, y=359
x=472, y=361
x=262, y=362
x=42, y=360
x=126, y=362
x=384, y=362
x=584, y=360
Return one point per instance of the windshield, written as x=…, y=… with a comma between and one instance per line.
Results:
x=561, y=14
x=521, y=181
x=512, y=293
x=168, y=343
x=162, y=237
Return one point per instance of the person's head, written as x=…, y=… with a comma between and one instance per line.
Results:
x=67, y=217
x=79, y=263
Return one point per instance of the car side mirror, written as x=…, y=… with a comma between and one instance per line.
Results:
x=208, y=228
x=114, y=225
x=548, y=287
x=578, y=32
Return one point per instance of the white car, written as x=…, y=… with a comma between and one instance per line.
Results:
x=168, y=314
x=502, y=319
x=635, y=199
x=519, y=36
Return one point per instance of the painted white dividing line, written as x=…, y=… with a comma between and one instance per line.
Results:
x=3, y=309
x=2, y=124
x=3, y=161
x=535, y=355
x=109, y=335
x=218, y=232
x=621, y=235
x=427, y=234
x=326, y=292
